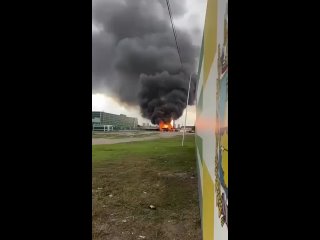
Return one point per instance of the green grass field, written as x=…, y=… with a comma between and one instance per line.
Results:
x=129, y=177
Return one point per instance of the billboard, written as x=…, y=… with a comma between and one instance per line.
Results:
x=212, y=122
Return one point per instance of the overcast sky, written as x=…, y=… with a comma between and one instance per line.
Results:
x=188, y=18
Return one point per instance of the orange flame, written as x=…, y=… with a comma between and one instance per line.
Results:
x=165, y=126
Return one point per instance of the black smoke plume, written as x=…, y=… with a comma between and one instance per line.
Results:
x=163, y=96
x=134, y=56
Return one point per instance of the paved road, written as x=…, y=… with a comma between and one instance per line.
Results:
x=97, y=141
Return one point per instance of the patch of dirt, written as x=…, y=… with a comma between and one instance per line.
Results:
x=122, y=195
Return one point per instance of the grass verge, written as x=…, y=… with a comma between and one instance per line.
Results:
x=129, y=177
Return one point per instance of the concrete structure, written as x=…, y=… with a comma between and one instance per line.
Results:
x=212, y=122
x=102, y=121
x=188, y=128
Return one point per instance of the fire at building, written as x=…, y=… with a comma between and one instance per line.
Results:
x=166, y=127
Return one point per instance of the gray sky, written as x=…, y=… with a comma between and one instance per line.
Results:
x=113, y=93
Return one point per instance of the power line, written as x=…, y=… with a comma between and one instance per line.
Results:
x=174, y=31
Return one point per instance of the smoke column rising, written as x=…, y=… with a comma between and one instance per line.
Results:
x=134, y=57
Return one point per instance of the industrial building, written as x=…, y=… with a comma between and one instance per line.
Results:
x=102, y=121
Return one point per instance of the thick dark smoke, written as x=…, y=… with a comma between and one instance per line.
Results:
x=163, y=96
x=135, y=59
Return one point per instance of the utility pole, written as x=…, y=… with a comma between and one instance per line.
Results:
x=185, y=120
